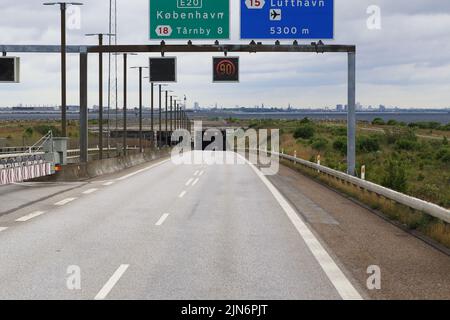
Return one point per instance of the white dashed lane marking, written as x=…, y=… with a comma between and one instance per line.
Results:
x=90, y=191
x=111, y=282
x=182, y=194
x=30, y=216
x=65, y=201
x=162, y=219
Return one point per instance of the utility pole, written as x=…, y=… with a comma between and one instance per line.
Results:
x=125, y=133
x=100, y=91
x=141, y=146
x=63, y=8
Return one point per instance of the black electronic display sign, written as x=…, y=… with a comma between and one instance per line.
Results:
x=163, y=70
x=225, y=69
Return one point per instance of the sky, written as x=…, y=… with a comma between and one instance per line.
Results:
x=405, y=62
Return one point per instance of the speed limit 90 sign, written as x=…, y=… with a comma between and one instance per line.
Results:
x=226, y=69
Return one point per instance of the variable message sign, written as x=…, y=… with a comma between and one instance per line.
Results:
x=189, y=19
x=226, y=69
x=163, y=69
x=9, y=69
x=287, y=19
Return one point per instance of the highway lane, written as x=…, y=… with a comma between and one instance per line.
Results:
x=169, y=232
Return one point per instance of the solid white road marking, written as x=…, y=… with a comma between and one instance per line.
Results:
x=182, y=194
x=30, y=216
x=111, y=282
x=142, y=170
x=162, y=219
x=106, y=184
x=65, y=201
x=3, y=229
x=201, y=173
x=189, y=182
x=195, y=182
x=196, y=173
x=336, y=276
x=90, y=191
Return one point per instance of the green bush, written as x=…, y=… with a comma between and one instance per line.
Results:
x=378, y=121
x=395, y=176
x=305, y=121
x=406, y=144
x=368, y=144
x=319, y=144
x=43, y=129
x=304, y=132
x=339, y=131
x=28, y=132
x=392, y=122
x=444, y=155
x=340, y=144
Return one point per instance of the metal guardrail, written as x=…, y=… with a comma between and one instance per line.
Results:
x=411, y=202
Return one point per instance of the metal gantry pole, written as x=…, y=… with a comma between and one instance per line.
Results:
x=83, y=107
x=100, y=99
x=171, y=113
x=63, y=7
x=160, y=119
x=167, y=99
x=141, y=149
x=152, y=107
x=351, y=117
x=125, y=133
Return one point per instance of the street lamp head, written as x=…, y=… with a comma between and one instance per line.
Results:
x=63, y=3
x=100, y=34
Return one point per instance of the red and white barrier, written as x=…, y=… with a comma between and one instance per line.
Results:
x=26, y=172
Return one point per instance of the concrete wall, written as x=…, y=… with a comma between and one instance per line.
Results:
x=76, y=172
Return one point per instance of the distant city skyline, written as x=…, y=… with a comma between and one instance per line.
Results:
x=404, y=63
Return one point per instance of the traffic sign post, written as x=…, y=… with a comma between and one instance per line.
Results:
x=189, y=19
x=226, y=69
x=287, y=19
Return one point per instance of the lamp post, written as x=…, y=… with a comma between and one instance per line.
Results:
x=63, y=7
x=166, y=115
x=160, y=114
x=141, y=149
x=152, y=108
x=125, y=69
x=100, y=90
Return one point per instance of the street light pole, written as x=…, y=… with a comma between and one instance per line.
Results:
x=125, y=133
x=63, y=6
x=141, y=146
x=100, y=91
x=167, y=98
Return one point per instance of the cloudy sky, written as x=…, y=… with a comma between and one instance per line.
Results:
x=406, y=63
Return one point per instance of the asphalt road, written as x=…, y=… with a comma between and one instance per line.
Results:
x=166, y=231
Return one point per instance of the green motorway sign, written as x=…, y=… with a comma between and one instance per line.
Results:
x=189, y=19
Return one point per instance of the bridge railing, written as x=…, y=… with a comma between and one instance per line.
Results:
x=414, y=203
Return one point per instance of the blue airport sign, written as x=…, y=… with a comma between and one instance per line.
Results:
x=287, y=19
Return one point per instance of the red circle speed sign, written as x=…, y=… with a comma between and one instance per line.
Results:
x=226, y=68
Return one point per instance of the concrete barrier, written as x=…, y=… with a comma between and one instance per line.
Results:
x=77, y=172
